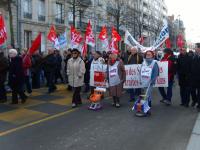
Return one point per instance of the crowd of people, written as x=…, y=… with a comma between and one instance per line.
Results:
x=23, y=72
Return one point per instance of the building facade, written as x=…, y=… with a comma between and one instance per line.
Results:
x=140, y=17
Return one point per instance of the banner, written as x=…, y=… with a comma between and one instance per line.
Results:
x=3, y=34
x=76, y=37
x=164, y=35
x=114, y=41
x=103, y=36
x=133, y=76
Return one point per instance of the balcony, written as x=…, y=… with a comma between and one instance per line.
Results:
x=27, y=15
x=41, y=18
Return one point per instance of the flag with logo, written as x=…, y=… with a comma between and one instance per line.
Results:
x=3, y=33
x=76, y=37
x=89, y=36
x=114, y=41
x=103, y=36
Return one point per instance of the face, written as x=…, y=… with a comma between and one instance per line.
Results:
x=182, y=51
x=133, y=51
x=198, y=50
x=75, y=54
x=50, y=51
x=149, y=55
x=113, y=56
x=95, y=55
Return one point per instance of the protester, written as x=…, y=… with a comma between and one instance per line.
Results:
x=67, y=56
x=58, y=74
x=195, y=77
x=50, y=69
x=116, y=78
x=169, y=57
x=27, y=72
x=36, y=69
x=87, y=74
x=16, y=76
x=134, y=58
x=3, y=74
x=75, y=72
x=148, y=74
x=97, y=60
x=183, y=69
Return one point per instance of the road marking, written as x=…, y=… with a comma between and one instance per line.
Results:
x=36, y=122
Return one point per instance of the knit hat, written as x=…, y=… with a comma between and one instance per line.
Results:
x=13, y=53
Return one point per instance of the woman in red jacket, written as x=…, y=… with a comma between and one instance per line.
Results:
x=167, y=95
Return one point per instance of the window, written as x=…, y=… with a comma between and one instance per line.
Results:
x=59, y=13
x=41, y=10
x=27, y=8
x=27, y=39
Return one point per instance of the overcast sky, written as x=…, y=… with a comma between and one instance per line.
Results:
x=189, y=11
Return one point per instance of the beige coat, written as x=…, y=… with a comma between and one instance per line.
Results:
x=75, y=72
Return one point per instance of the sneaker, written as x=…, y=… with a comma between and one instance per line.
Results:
x=117, y=105
x=74, y=105
x=167, y=102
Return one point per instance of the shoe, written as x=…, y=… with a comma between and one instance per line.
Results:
x=117, y=105
x=74, y=105
x=193, y=104
x=167, y=102
x=181, y=104
x=113, y=104
x=162, y=101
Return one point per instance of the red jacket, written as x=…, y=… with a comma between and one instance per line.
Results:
x=26, y=64
x=171, y=65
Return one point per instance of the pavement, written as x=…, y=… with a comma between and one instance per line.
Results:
x=47, y=122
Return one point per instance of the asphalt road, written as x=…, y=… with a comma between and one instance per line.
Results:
x=169, y=128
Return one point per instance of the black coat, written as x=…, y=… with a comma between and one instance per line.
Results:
x=183, y=69
x=36, y=63
x=50, y=63
x=3, y=68
x=16, y=72
x=195, y=72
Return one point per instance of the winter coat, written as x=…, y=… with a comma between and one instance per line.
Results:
x=36, y=62
x=16, y=72
x=117, y=90
x=135, y=59
x=183, y=69
x=3, y=68
x=87, y=73
x=75, y=72
x=171, y=65
x=26, y=64
x=50, y=63
x=195, y=72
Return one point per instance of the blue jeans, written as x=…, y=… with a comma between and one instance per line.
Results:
x=168, y=95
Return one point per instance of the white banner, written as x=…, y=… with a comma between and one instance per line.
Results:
x=133, y=76
x=164, y=34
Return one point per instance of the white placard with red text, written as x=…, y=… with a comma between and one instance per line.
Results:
x=133, y=76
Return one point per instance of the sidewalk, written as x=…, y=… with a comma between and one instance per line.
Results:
x=38, y=106
x=194, y=143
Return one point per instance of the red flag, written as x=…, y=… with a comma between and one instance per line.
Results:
x=141, y=40
x=180, y=43
x=89, y=36
x=103, y=36
x=114, y=41
x=52, y=36
x=76, y=37
x=3, y=34
x=36, y=44
x=115, y=36
x=168, y=43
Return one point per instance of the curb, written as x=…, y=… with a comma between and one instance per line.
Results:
x=194, y=142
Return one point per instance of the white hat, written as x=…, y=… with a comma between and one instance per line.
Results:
x=13, y=53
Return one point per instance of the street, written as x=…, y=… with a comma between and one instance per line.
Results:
x=169, y=127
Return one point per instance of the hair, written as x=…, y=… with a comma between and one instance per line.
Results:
x=98, y=52
x=168, y=51
x=150, y=52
